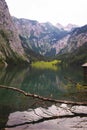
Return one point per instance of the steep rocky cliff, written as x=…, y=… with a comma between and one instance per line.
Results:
x=49, y=40
x=40, y=36
x=11, y=50
x=75, y=51
x=20, y=37
x=77, y=38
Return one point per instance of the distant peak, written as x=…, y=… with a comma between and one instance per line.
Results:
x=70, y=26
x=58, y=25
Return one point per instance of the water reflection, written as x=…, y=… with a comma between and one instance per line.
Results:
x=13, y=76
x=46, y=82
x=42, y=82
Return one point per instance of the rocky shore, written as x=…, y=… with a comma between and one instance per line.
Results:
x=55, y=117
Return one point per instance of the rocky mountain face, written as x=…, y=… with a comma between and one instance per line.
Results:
x=11, y=49
x=40, y=37
x=49, y=40
x=75, y=51
x=77, y=38
x=21, y=37
x=69, y=27
x=72, y=41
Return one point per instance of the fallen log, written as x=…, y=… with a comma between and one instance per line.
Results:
x=42, y=98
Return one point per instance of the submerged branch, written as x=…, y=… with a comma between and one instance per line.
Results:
x=43, y=98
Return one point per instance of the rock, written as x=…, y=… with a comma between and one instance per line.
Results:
x=41, y=117
x=10, y=44
x=79, y=109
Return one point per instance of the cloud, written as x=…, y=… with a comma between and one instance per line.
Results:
x=63, y=11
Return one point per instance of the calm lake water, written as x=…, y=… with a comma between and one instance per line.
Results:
x=54, y=83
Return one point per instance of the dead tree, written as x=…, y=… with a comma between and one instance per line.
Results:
x=43, y=98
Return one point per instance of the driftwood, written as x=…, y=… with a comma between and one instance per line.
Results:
x=43, y=98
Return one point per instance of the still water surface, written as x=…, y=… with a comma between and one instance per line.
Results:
x=53, y=83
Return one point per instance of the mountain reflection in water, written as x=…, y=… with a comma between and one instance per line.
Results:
x=45, y=82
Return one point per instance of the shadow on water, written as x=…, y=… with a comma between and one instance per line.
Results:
x=45, y=82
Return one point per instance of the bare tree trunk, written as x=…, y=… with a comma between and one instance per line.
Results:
x=42, y=98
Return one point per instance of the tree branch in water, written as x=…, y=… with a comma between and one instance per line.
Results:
x=42, y=98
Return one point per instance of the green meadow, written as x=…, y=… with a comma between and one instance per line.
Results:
x=46, y=64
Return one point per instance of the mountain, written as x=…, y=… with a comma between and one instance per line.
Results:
x=49, y=40
x=77, y=38
x=45, y=38
x=61, y=27
x=32, y=55
x=23, y=40
x=75, y=51
x=11, y=50
x=69, y=27
x=40, y=37
x=76, y=57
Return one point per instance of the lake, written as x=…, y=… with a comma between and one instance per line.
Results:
x=56, y=83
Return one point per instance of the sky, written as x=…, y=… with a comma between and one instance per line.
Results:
x=54, y=11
